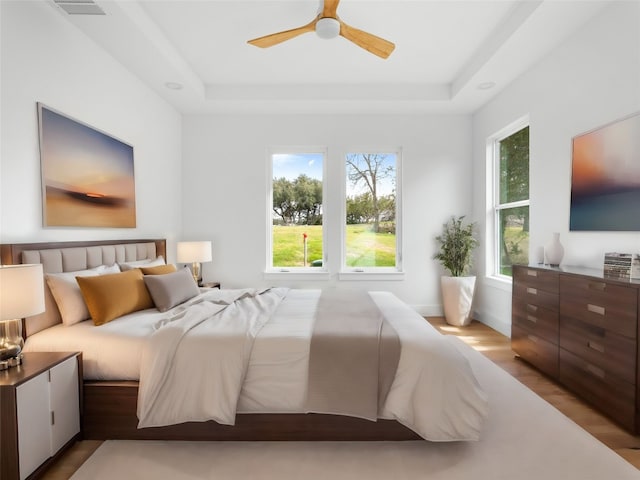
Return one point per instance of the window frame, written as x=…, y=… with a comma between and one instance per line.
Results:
x=494, y=206
x=299, y=272
x=372, y=273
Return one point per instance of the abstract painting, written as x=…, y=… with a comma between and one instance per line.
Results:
x=87, y=175
x=605, y=178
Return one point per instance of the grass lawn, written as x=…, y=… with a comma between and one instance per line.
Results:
x=368, y=249
x=288, y=246
x=364, y=248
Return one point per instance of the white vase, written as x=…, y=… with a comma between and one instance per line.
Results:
x=457, y=298
x=554, y=251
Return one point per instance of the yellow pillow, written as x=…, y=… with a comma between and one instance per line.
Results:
x=111, y=296
x=159, y=269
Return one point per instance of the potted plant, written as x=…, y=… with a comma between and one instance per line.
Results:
x=456, y=249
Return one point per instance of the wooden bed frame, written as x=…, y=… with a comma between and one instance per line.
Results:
x=109, y=407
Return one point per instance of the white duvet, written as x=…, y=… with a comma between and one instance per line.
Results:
x=434, y=391
x=194, y=364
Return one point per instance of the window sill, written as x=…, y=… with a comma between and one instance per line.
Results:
x=302, y=274
x=369, y=275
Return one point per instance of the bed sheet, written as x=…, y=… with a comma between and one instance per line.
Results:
x=109, y=352
x=276, y=377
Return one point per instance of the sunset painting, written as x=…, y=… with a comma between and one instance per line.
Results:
x=87, y=175
x=605, y=178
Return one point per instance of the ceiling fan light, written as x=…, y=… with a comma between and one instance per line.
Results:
x=328, y=28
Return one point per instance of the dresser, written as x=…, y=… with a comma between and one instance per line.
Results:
x=581, y=328
x=40, y=412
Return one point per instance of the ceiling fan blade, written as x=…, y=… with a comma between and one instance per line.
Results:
x=376, y=45
x=276, y=38
x=330, y=8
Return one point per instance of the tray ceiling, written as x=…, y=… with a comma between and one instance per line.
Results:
x=447, y=52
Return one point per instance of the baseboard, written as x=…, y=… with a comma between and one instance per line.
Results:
x=493, y=322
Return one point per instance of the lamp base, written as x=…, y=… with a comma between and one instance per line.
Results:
x=11, y=362
x=195, y=270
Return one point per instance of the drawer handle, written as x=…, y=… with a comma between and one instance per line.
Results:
x=533, y=338
x=595, y=346
x=598, y=372
x=532, y=291
x=531, y=318
x=598, y=286
x=532, y=308
x=532, y=273
x=595, y=309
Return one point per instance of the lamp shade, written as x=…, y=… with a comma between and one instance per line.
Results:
x=21, y=291
x=189, y=252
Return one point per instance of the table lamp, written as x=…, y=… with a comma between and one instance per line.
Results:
x=21, y=295
x=194, y=253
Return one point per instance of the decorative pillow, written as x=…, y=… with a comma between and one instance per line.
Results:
x=171, y=289
x=126, y=266
x=111, y=296
x=159, y=270
x=67, y=295
x=104, y=269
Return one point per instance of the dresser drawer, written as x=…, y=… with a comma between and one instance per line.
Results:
x=540, y=321
x=613, y=396
x=535, y=296
x=601, y=304
x=604, y=349
x=545, y=280
x=535, y=350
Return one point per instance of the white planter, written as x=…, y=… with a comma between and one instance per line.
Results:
x=457, y=297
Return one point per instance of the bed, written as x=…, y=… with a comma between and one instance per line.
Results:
x=270, y=403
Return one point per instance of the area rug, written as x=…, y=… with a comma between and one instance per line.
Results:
x=525, y=438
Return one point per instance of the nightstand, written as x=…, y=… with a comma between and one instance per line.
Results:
x=40, y=411
x=210, y=285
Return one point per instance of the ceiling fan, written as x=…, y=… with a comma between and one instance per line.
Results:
x=327, y=24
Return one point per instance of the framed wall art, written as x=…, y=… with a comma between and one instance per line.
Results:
x=605, y=178
x=87, y=175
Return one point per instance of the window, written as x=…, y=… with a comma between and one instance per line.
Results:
x=296, y=216
x=510, y=155
x=372, y=212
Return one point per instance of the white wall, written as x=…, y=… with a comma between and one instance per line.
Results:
x=45, y=59
x=225, y=190
x=591, y=80
x=219, y=189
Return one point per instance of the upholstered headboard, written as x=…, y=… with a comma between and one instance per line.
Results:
x=72, y=256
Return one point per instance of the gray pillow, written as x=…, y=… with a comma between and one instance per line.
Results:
x=171, y=289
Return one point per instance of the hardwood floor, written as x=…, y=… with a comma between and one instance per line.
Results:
x=498, y=349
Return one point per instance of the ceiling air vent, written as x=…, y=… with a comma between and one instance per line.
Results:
x=79, y=7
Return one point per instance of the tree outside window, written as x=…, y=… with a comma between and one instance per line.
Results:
x=297, y=213
x=512, y=205
x=371, y=210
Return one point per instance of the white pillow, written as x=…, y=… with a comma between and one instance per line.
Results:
x=125, y=266
x=67, y=294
